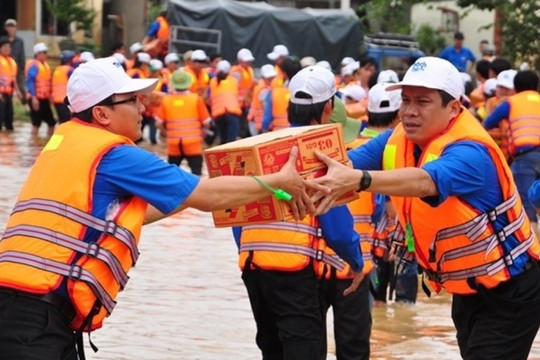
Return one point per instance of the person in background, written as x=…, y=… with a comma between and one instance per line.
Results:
x=459, y=55
x=522, y=111
x=355, y=99
x=260, y=92
x=8, y=84
x=118, y=48
x=121, y=59
x=489, y=88
x=59, y=85
x=481, y=76
x=245, y=77
x=172, y=63
x=458, y=205
x=307, y=61
x=72, y=239
x=196, y=68
x=182, y=116
x=156, y=40
x=39, y=87
x=367, y=72
x=17, y=53
x=213, y=59
x=279, y=53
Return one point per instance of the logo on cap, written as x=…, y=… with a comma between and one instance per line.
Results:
x=418, y=66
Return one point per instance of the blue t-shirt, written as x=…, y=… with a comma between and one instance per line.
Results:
x=534, y=194
x=153, y=29
x=459, y=57
x=464, y=169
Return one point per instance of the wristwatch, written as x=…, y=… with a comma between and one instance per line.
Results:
x=365, y=181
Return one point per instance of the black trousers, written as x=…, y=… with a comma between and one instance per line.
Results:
x=352, y=318
x=499, y=323
x=6, y=112
x=32, y=329
x=44, y=113
x=287, y=312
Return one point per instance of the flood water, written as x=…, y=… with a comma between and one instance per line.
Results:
x=186, y=301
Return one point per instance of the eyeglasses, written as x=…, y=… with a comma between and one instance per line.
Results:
x=130, y=99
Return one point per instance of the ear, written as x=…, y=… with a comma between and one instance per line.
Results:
x=101, y=115
x=328, y=107
x=455, y=108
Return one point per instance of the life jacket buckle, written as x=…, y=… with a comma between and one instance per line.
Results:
x=433, y=276
x=319, y=254
x=319, y=232
x=92, y=250
x=75, y=272
x=110, y=227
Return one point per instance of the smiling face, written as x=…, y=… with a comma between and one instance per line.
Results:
x=423, y=115
x=122, y=118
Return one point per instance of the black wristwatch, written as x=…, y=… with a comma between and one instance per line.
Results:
x=365, y=181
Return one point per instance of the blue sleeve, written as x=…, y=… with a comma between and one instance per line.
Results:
x=471, y=55
x=268, y=115
x=153, y=29
x=500, y=113
x=465, y=169
x=369, y=156
x=534, y=194
x=70, y=71
x=444, y=53
x=129, y=170
x=237, y=233
x=31, y=80
x=380, y=208
x=338, y=231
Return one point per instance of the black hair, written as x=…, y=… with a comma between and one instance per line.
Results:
x=482, y=67
x=4, y=40
x=499, y=64
x=381, y=119
x=86, y=115
x=367, y=60
x=214, y=56
x=526, y=80
x=458, y=35
x=301, y=115
x=446, y=97
x=117, y=46
x=290, y=67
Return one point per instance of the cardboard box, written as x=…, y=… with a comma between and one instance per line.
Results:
x=266, y=154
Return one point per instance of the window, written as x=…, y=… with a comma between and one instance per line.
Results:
x=49, y=25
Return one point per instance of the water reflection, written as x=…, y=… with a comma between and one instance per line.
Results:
x=186, y=300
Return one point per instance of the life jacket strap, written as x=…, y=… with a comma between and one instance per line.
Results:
x=288, y=226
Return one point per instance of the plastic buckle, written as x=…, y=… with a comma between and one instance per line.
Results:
x=75, y=272
x=319, y=254
x=110, y=227
x=92, y=250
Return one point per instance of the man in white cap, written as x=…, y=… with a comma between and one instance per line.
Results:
x=134, y=49
x=260, y=92
x=245, y=76
x=278, y=54
x=284, y=286
x=458, y=204
x=196, y=68
x=39, y=89
x=72, y=238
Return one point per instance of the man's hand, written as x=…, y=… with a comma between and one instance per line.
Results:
x=357, y=279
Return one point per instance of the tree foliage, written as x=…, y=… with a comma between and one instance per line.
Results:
x=431, y=42
x=520, y=23
x=385, y=16
x=73, y=11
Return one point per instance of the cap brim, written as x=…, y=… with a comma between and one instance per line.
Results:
x=272, y=56
x=138, y=86
x=401, y=84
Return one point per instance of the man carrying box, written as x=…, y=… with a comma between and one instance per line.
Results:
x=277, y=259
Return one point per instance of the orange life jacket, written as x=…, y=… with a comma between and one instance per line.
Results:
x=136, y=71
x=256, y=110
x=283, y=246
x=59, y=83
x=183, y=114
x=8, y=73
x=164, y=31
x=43, y=78
x=524, y=120
x=461, y=244
x=477, y=95
x=200, y=82
x=280, y=106
x=42, y=244
x=246, y=83
x=224, y=97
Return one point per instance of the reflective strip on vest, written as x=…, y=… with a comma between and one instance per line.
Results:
x=70, y=271
x=105, y=226
x=90, y=249
x=366, y=219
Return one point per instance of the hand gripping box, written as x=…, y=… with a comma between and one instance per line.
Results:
x=266, y=154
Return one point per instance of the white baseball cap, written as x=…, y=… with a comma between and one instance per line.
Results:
x=198, y=55
x=40, y=47
x=350, y=68
x=268, y=71
x=144, y=57
x=223, y=66
x=387, y=76
x=155, y=65
x=381, y=100
x=433, y=73
x=120, y=57
x=315, y=81
x=171, y=57
x=278, y=51
x=325, y=64
x=136, y=47
x=490, y=86
x=86, y=56
x=92, y=82
x=245, y=55
x=355, y=92
x=308, y=61
x=346, y=61
x=506, y=78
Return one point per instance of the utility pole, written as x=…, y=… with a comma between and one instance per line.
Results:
x=345, y=4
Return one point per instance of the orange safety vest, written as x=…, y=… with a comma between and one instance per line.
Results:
x=42, y=244
x=8, y=73
x=200, y=82
x=279, y=80
x=461, y=244
x=256, y=110
x=183, y=115
x=477, y=95
x=283, y=246
x=136, y=71
x=59, y=83
x=163, y=33
x=246, y=83
x=280, y=107
x=524, y=120
x=43, y=78
x=224, y=97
